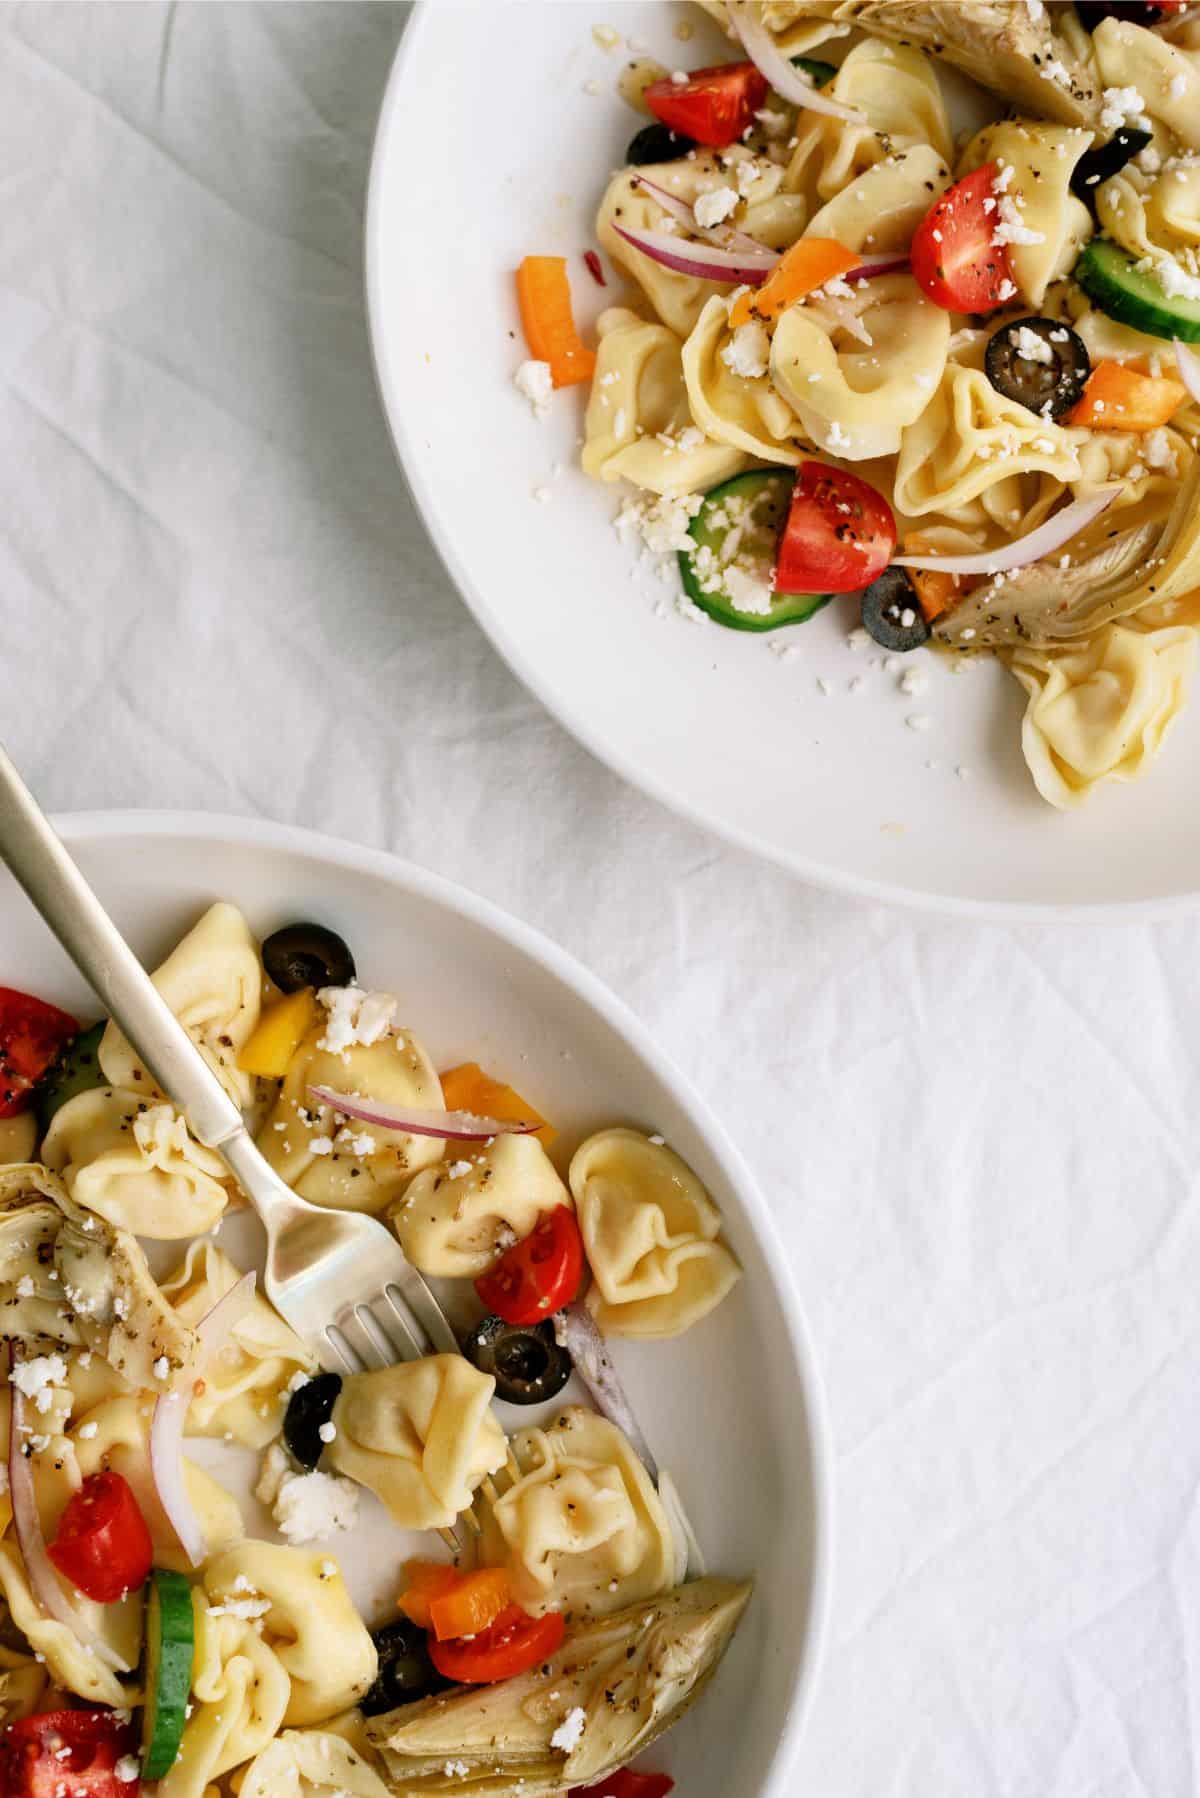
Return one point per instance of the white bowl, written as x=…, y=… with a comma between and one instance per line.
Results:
x=733, y=1408
x=489, y=148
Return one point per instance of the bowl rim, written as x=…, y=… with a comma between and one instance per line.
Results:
x=223, y=829
x=389, y=381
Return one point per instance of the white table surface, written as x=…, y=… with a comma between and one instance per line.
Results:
x=982, y=1142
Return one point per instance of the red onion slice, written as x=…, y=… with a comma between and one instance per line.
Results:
x=452, y=1126
x=575, y=1330
x=727, y=237
x=699, y=260
x=1189, y=368
x=43, y=1580
x=789, y=82
x=170, y=1417
x=1032, y=547
x=878, y=262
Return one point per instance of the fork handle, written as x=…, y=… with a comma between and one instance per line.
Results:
x=35, y=856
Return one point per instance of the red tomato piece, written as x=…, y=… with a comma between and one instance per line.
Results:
x=103, y=1546
x=31, y=1035
x=513, y=1644
x=539, y=1275
x=33, y=1765
x=713, y=106
x=627, y=1784
x=840, y=533
x=953, y=257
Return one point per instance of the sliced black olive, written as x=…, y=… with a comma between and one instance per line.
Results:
x=308, y=1408
x=406, y=1672
x=658, y=143
x=1049, y=378
x=307, y=955
x=527, y=1362
x=892, y=614
x=1139, y=12
x=1106, y=160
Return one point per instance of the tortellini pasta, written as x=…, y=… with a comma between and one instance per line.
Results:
x=136, y=1163
x=651, y=1234
x=62, y=1654
x=213, y=982
x=638, y=424
x=583, y=1529
x=310, y=1763
x=421, y=1435
x=896, y=90
x=854, y=399
x=742, y=410
x=245, y=1385
x=1042, y=223
x=1166, y=78
x=1100, y=712
x=353, y=1166
x=881, y=208
x=240, y=1695
x=454, y=1219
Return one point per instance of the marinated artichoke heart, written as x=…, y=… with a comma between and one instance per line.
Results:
x=632, y=1676
x=91, y=1285
x=1046, y=604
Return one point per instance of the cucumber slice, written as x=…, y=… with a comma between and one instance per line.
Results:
x=756, y=505
x=77, y=1070
x=820, y=72
x=170, y=1643
x=1134, y=296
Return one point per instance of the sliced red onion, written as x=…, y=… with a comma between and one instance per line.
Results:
x=1032, y=547
x=453, y=1126
x=575, y=1330
x=878, y=262
x=170, y=1417
x=43, y=1580
x=699, y=260
x=789, y=82
x=726, y=236
x=1189, y=368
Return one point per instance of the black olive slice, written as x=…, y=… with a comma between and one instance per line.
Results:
x=307, y=955
x=1138, y=12
x=891, y=612
x=406, y=1672
x=1039, y=363
x=658, y=143
x=528, y=1364
x=1104, y=161
x=308, y=1408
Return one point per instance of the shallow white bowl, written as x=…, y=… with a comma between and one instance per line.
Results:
x=489, y=148
x=733, y=1408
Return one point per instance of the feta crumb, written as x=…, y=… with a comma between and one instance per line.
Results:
x=457, y=1169
x=748, y=351
x=36, y=1378
x=355, y=1016
x=87, y=1431
x=162, y=1368
x=661, y=521
x=25, y=1287
x=569, y=1733
x=913, y=682
x=1031, y=345
x=1122, y=105
x=713, y=207
x=327, y=1432
x=127, y=1769
x=836, y=437
x=305, y=1506
x=534, y=380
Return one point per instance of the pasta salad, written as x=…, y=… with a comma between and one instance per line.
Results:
x=949, y=374
x=148, y=1639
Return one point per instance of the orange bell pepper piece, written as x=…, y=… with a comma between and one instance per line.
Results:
x=544, y=296
x=936, y=592
x=425, y=1581
x=1118, y=398
x=468, y=1088
x=809, y=264
x=471, y=1605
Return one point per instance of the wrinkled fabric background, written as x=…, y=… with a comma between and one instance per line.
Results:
x=982, y=1142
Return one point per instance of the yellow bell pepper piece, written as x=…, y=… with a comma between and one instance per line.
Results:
x=468, y=1088
x=278, y=1034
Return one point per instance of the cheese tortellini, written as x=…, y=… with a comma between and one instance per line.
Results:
x=1040, y=221
x=740, y=409
x=1165, y=77
x=1101, y=712
x=651, y=1233
x=136, y=1163
x=583, y=1529
x=896, y=91
x=310, y=1763
x=240, y=1694
x=454, y=1219
x=421, y=1435
x=213, y=982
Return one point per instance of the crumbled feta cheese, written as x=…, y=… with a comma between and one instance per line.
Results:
x=1055, y=70
x=661, y=521
x=1031, y=345
x=569, y=1733
x=354, y=1016
x=162, y=1368
x=1176, y=281
x=245, y=1608
x=457, y=1169
x=306, y=1506
x=1123, y=105
x=127, y=1769
x=713, y=207
x=748, y=351
x=1010, y=227
x=37, y=1377
x=327, y=1432
x=1159, y=451
x=456, y=1770
x=1006, y=290
x=25, y=1286
x=534, y=380
x=837, y=438
x=750, y=589
x=913, y=682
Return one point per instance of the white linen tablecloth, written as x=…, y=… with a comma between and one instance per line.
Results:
x=981, y=1142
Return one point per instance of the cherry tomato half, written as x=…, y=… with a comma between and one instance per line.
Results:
x=839, y=535
x=713, y=106
x=511, y=1645
x=31, y=1035
x=33, y=1763
x=103, y=1546
x=627, y=1784
x=953, y=257
x=539, y=1275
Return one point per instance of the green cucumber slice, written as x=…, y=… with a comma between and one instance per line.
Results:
x=820, y=72
x=77, y=1070
x=170, y=1643
x=756, y=505
x=1133, y=296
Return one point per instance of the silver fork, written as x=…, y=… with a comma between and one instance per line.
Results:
x=340, y=1279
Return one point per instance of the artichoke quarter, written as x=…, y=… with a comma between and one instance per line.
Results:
x=632, y=1676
